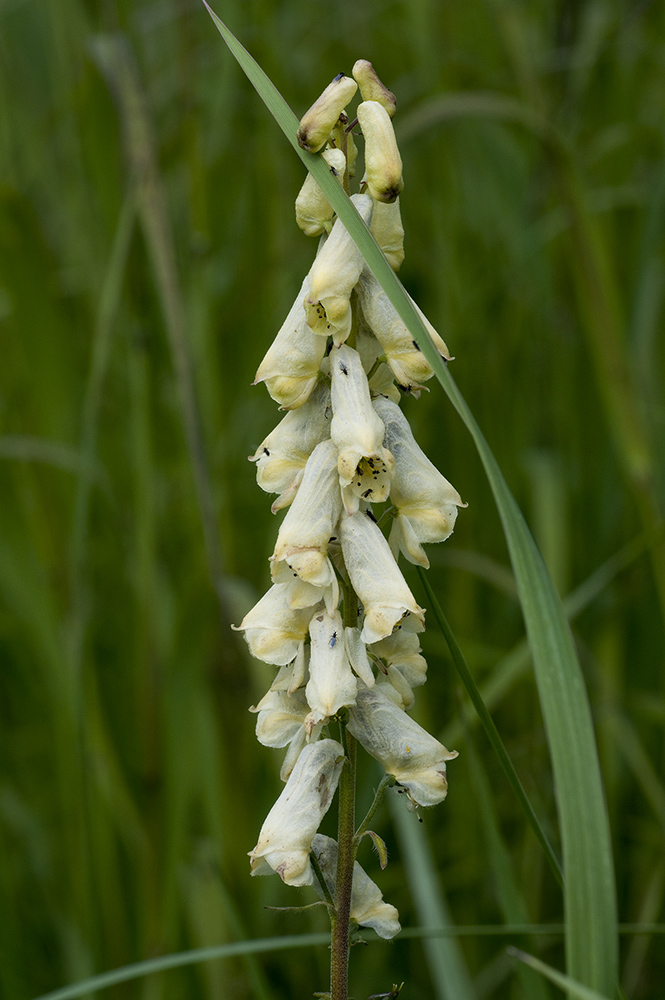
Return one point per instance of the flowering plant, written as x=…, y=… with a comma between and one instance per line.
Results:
x=340, y=620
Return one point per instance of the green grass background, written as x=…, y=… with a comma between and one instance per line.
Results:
x=148, y=255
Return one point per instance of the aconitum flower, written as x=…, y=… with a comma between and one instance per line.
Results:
x=274, y=631
x=318, y=121
x=313, y=210
x=426, y=502
x=368, y=908
x=408, y=363
x=291, y=367
x=331, y=684
x=286, y=836
x=405, y=668
x=365, y=466
x=377, y=581
x=281, y=457
x=302, y=543
x=332, y=278
x=407, y=751
x=282, y=720
x=383, y=164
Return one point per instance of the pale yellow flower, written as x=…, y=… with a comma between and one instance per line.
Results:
x=368, y=908
x=409, y=365
x=302, y=543
x=314, y=212
x=371, y=87
x=282, y=456
x=274, y=631
x=291, y=366
x=383, y=164
x=331, y=684
x=318, y=121
x=286, y=836
x=365, y=466
x=426, y=502
x=407, y=751
x=377, y=581
x=333, y=276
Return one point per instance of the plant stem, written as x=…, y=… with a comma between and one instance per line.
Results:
x=346, y=850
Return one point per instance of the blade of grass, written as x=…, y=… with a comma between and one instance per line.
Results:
x=589, y=896
x=567, y=983
x=488, y=725
x=450, y=976
x=177, y=961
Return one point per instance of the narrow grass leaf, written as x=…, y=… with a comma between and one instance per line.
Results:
x=567, y=983
x=488, y=725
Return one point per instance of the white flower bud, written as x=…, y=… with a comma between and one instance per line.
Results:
x=275, y=632
x=426, y=501
x=405, y=749
x=290, y=369
x=371, y=87
x=331, y=682
x=383, y=164
x=286, y=836
x=281, y=721
x=280, y=717
x=302, y=542
x=368, y=908
x=281, y=457
x=370, y=350
x=318, y=122
x=387, y=229
x=357, y=654
x=406, y=668
x=333, y=276
x=313, y=210
x=377, y=581
x=408, y=363
x=364, y=465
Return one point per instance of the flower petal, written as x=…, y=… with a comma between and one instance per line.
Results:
x=286, y=836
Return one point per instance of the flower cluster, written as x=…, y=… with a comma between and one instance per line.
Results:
x=340, y=621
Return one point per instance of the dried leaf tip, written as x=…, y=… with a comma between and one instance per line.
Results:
x=317, y=123
x=371, y=87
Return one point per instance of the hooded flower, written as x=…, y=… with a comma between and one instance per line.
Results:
x=274, y=631
x=332, y=684
x=281, y=458
x=370, y=350
x=318, y=121
x=368, y=908
x=404, y=667
x=383, y=164
x=290, y=369
x=313, y=210
x=286, y=836
x=377, y=581
x=402, y=747
x=364, y=465
x=281, y=722
x=302, y=543
x=371, y=87
x=387, y=230
x=333, y=276
x=426, y=502
x=408, y=363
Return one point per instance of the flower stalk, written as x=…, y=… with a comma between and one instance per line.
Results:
x=344, y=463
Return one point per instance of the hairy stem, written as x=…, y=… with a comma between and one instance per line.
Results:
x=346, y=850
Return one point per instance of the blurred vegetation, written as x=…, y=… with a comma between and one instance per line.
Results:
x=148, y=255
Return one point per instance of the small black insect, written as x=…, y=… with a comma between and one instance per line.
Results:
x=342, y=367
x=333, y=639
